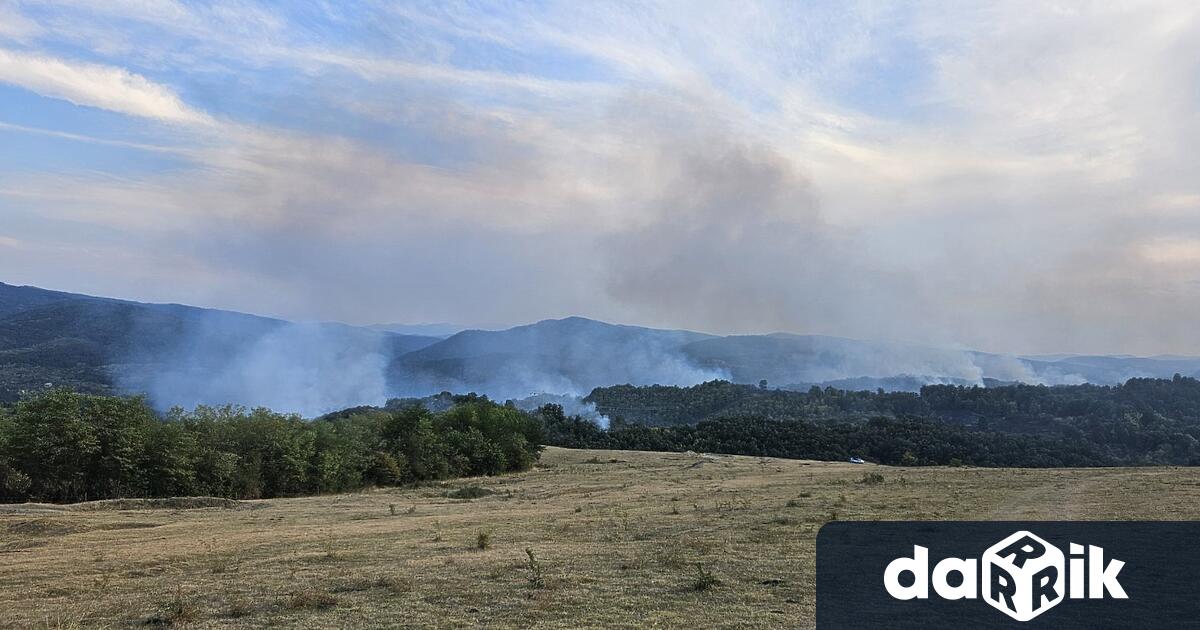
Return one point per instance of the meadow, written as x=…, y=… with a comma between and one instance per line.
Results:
x=587, y=538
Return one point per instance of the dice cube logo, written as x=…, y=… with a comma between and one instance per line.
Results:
x=1023, y=576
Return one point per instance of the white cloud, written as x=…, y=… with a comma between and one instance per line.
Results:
x=94, y=85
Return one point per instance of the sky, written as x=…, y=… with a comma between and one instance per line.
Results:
x=1008, y=176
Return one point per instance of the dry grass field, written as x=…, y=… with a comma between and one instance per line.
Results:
x=618, y=539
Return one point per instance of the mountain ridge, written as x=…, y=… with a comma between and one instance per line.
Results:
x=187, y=355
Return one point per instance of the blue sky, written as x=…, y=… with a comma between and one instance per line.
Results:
x=1014, y=176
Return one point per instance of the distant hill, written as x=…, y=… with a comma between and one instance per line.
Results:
x=570, y=356
x=788, y=359
x=181, y=354
x=1118, y=369
x=440, y=330
x=184, y=355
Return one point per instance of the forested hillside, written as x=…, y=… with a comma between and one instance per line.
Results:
x=181, y=354
x=1144, y=421
x=900, y=442
x=1012, y=408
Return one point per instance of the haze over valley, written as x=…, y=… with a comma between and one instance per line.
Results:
x=185, y=356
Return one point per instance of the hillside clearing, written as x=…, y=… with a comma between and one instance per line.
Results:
x=618, y=538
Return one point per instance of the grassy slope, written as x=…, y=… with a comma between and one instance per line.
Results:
x=618, y=535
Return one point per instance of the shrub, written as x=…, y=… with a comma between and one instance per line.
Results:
x=483, y=540
x=871, y=479
x=470, y=492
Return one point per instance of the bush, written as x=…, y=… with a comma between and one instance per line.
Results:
x=871, y=479
x=470, y=492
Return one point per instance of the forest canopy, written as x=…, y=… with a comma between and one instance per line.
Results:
x=1142, y=422
x=59, y=445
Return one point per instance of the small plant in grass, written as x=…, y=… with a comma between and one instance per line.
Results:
x=329, y=546
x=392, y=508
x=871, y=479
x=437, y=531
x=674, y=508
x=705, y=580
x=63, y=620
x=312, y=600
x=412, y=510
x=178, y=610
x=483, y=540
x=533, y=568
x=793, y=503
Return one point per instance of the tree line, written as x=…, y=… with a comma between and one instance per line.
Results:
x=1143, y=421
x=63, y=446
x=894, y=441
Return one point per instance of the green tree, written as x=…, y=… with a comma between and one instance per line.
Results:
x=52, y=442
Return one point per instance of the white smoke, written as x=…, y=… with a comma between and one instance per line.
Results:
x=307, y=369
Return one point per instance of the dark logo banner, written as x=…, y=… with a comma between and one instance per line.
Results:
x=1008, y=574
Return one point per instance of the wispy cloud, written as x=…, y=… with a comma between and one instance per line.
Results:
x=78, y=137
x=95, y=85
x=14, y=25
